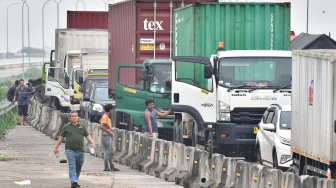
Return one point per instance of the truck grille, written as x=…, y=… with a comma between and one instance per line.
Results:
x=247, y=115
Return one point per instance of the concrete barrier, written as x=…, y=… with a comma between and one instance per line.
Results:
x=54, y=124
x=31, y=111
x=44, y=120
x=135, y=152
x=228, y=172
x=129, y=147
x=308, y=181
x=325, y=183
x=175, y=162
x=141, y=155
x=167, y=152
x=37, y=118
x=200, y=171
x=290, y=180
x=258, y=175
x=242, y=174
x=215, y=171
x=150, y=152
x=97, y=138
x=120, y=144
x=157, y=157
x=186, y=165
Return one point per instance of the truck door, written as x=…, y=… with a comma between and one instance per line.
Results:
x=130, y=95
x=192, y=92
x=54, y=86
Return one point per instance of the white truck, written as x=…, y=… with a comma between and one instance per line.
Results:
x=313, y=139
x=75, y=64
x=227, y=96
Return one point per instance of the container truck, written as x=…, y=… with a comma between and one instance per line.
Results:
x=219, y=96
x=313, y=139
x=87, y=19
x=140, y=30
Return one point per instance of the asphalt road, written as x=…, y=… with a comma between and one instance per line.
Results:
x=33, y=159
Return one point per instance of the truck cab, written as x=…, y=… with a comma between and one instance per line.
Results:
x=227, y=95
x=136, y=83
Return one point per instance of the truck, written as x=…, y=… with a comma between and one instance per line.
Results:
x=140, y=34
x=87, y=19
x=313, y=135
x=75, y=64
x=220, y=92
x=73, y=39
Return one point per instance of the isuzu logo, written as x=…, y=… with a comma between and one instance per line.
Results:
x=263, y=97
x=238, y=95
x=151, y=25
x=207, y=105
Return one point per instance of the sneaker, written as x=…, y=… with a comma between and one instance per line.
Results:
x=107, y=169
x=75, y=185
x=114, y=169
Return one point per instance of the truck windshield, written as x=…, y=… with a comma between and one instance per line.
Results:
x=285, y=120
x=101, y=94
x=258, y=72
x=161, y=80
x=88, y=83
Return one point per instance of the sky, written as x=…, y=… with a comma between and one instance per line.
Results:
x=321, y=19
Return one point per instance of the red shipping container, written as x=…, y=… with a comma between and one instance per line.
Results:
x=139, y=30
x=87, y=19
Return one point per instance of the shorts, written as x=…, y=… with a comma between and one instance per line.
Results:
x=23, y=110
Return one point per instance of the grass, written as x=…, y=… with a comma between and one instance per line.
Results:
x=8, y=121
x=6, y=159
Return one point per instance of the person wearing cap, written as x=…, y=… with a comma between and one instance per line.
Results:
x=74, y=132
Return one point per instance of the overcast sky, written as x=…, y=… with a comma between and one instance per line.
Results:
x=321, y=19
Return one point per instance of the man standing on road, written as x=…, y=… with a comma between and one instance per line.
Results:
x=74, y=132
x=12, y=90
x=150, y=118
x=22, y=96
x=106, y=127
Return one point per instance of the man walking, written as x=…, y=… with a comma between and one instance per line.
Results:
x=74, y=132
x=150, y=118
x=22, y=96
x=106, y=127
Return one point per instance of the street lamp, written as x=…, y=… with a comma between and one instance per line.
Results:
x=24, y=2
x=105, y=2
x=43, y=28
x=58, y=11
x=82, y=2
x=7, y=23
x=307, y=15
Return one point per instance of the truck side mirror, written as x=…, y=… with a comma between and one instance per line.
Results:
x=80, y=80
x=86, y=99
x=207, y=71
x=80, y=89
x=144, y=74
x=66, y=79
x=268, y=127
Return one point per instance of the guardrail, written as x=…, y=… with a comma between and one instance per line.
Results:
x=6, y=106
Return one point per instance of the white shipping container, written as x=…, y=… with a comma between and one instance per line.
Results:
x=76, y=39
x=313, y=104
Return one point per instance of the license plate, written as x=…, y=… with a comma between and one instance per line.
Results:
x=255, y=130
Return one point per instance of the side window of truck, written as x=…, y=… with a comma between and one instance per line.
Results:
x=193, y=74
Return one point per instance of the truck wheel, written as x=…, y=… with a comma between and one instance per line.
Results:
x=194, y=137
x=275, y=160
x=130, y=123
x=176, y=132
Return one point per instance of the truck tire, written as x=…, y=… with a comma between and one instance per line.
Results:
x=194, y=137
x=176, y=132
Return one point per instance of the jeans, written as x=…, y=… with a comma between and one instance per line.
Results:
x=108, y=151
x=75, y=163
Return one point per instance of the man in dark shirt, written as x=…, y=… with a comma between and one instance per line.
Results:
x=74, y=132
x=11, y=91
x=22, y=96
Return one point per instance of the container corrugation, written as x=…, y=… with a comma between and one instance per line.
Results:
x=87, y=19
x=241, y=26
x=137, y=33
x=313, y=104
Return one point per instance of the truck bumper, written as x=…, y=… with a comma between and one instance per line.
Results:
x=235, y=134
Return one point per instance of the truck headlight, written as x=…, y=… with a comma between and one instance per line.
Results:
x=159, y=124
x=285, y=141
x=285, y=158
x=223, y=111
x=98, y=107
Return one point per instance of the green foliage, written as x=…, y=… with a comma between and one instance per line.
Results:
x=8, y=121
x=6, y=159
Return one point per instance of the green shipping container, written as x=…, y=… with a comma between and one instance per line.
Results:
x=241, y=26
